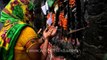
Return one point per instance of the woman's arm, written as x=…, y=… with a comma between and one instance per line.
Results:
x=34, y=51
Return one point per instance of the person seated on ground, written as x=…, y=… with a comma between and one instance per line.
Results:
x=18, y=39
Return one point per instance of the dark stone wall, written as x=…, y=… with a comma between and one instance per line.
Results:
x=95, y=13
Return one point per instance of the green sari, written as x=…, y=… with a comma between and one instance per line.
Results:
x=15, y=15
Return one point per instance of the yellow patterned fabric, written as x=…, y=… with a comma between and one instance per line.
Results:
x=26, y=35
x=18, y=10
x=16, y=17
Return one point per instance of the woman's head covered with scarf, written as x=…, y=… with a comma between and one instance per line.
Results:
x=18, y=10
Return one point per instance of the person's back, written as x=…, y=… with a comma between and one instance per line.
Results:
x=15, y=34
x=18, y=40
x=20, y=51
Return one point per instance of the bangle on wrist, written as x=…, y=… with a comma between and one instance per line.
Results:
x=44, y=38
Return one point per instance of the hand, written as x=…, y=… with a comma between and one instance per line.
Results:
x=49, y=32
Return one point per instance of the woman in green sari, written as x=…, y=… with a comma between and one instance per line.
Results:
x=18, y=40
